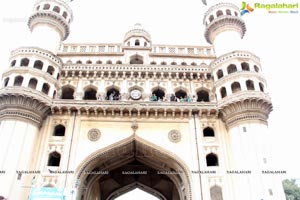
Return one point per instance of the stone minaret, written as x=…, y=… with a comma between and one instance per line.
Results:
x=28, y=88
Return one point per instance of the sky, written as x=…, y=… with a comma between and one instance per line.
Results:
x=275, y=38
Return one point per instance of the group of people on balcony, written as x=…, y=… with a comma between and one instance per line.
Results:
x=174, y=98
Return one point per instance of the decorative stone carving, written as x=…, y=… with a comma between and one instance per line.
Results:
x=94, y=134
x=134, y=126
x=175, y=136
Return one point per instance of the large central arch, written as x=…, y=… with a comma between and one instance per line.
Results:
x=112, y=172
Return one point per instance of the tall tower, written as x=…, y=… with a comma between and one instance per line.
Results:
x=28, y=88
x=243, y=103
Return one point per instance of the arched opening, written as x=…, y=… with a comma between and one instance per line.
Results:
x=183, y=63
x=113, y=94
x=223, y=92
x=136, y=59
x=109, y=62
x=181, y=95
x=56, y=9
x=211, y=18
x=133, y=154
x=145, y=44
x=46, y=88
x=38, y=65
x=236, y=13
x=59, y=130
x=208, y=132
x=235, y=87
x=6, y=82
x=58, y=75
x=67, y=92
x=32, y=83
x=163, y=63
x=37, y=8
x=231, y=68
x=24, y=62
x=212, y=160
x=219, y=13
x=54, y=94
x=250, y=85
x=256, y=68
x=50, y=70
x=216, y=193
x=157, y=95
x=119, y=62
x=173, y=63
x=78, y=62
x=261, y=87
x=46, y=6
x=65, y=14
x=245, y=66
x=88, y=62
x=220, y=74
x=193, y=64
x=137, y=193
x=153, y=63
x=13, y=63
x=98, y=62
x=202, y=96
x=137, y=42
x=228, y=12
x=54, y=159
x=18, y=81
x=90, y=94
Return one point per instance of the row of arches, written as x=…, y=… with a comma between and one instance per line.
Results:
x=33, y=83
x=56, y=9
x=38, y=64
x=90, y=93
x=134, y=60
x=220, y=13
x=137, y=43
x=232, y=68
x=236, y=87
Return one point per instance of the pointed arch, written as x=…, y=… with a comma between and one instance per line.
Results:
x=126, y=151
x=136, y=59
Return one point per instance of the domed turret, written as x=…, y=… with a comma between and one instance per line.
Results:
x=137, y=37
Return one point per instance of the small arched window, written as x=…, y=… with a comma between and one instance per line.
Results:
x=67, y=93
x=13, y=63
x=119, y=62
x=181, y=94
x=109, y=62
x=157, y=95
x=90, y=94
x=88, y=62
x=163, y=63
x=211, y=18
x=6, y=82
x=220, y=74
x=32, y=83
x=136, y=59
x=137, y=43
x=65, y=14
x=261, y=87
x=235, y=87
x=38, y=65
x=46, y=7
x=18, y=81
x=219, y=13
x=56, y=9
x=256, y=68
x=173, y=63
x=153, y=63
x=113, y=94
x=203, y=96
x=145, y=44
x=250, y=85
x=228, y=12
x=212, y=160
x=193, y=64
x=38, y=7
x=78, y=62
x=245, y=66
x=98, y=62
x=54, y=94
x=223, y=92
x=231, y=68
x=54, y=159
x=24, y=62
x=50, y=70
x=46, y=88
x=183, y=63
x=59, y=130
x=208, y=132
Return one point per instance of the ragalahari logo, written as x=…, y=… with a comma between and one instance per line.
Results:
x=246, y=8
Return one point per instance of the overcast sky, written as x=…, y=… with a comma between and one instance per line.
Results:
x=275, y=38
